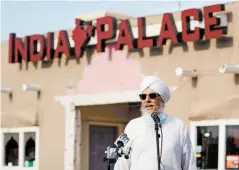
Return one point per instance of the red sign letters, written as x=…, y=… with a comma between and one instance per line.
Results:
x=106, y=29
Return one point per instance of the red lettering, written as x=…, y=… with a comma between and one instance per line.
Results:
x=168, y=30
x=50, y=46
x=125, y=36
x=11, y=52
x=187, y=34
x=34, y=41
x=103, y=35
x=22, y=49
x=142, y=39
x=63, y=45
x=211, y=22
x=106, y=28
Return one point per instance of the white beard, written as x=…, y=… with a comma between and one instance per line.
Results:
x=147, y=115
x=144, y=112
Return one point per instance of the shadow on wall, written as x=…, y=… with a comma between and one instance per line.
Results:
x=236, y=79
x=45, y=64
x=62, y=61
x=224, y=42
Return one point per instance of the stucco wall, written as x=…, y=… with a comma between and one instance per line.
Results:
x=212, y=90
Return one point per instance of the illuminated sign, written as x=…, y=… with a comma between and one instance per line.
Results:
x=194, y=25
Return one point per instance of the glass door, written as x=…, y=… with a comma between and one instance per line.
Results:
x=232, y=147
x=207, y=147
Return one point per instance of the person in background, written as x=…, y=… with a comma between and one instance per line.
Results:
x=176, y=152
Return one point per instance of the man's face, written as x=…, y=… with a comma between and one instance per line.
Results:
x=152, y=101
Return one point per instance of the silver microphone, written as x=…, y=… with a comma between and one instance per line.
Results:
x=113, y=153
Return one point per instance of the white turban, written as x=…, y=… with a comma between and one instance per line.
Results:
x=156, y=84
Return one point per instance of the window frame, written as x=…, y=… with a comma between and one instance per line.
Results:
x=221, y=123
x=21, y=154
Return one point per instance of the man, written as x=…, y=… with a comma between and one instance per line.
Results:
x=177, y=153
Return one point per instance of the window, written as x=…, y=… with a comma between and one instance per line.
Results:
x=11, y=149
x=232, y=147
x=30, y=149
x=216, y=144
x=20, y=147
x=207, y=141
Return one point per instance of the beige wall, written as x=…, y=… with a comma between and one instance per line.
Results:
x=24, y=107
x=212, y=90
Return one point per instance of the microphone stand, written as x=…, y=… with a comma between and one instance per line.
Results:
x=113, y=154
x=157, y=143
x=157, y=124
x=108, y=164
x=110, y=158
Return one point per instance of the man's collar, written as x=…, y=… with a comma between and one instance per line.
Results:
x=162, y=117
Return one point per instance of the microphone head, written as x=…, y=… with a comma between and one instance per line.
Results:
x=154, y=114
x=155, y=117
x=122, y=140
x=120, y=143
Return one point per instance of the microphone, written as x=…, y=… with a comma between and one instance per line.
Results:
x=155, y=117
x=122, y=140
x=113, y=153
x=127, y=149
x=120, y=143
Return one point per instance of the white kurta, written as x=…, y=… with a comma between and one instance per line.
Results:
x=177, y=152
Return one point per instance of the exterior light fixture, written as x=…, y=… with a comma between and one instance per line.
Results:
x=229, y=69
x=31, y=87
x=6, y=90
x=180, y=72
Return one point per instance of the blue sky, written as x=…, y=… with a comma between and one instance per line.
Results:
x=31, y=17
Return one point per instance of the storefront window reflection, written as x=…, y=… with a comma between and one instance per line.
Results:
x=232, y=147
x=11, y=149
x=30, y=150
x=207, y=147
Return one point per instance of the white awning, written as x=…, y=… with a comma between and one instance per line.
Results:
x=101, y=98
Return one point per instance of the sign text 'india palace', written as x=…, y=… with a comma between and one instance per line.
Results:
x=195, y=25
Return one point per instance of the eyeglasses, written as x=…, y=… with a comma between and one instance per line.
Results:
x=151, y=96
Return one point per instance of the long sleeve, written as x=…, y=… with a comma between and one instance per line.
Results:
x=188, y=156
x=122, y=164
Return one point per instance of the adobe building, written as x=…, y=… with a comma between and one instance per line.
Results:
x=67, y=95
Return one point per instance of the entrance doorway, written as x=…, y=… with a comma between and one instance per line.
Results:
x=100, y=138
x=207, y=147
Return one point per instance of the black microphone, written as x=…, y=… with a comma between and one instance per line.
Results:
x=155, y=117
